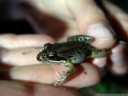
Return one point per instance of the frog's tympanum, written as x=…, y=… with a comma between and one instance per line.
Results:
x=74, y=51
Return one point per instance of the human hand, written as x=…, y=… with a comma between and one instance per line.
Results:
x=19, y=52
x=31, y=72
x=85, y=17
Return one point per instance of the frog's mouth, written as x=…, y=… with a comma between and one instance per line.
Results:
x=56, y=58
x=51, y=59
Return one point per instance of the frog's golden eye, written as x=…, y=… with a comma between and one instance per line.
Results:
x=51, y=54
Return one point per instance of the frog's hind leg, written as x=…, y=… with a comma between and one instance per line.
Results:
x=81, y=38
x=97, y=53
x=65, y=75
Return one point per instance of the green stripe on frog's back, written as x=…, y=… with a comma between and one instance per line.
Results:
x=81, y=38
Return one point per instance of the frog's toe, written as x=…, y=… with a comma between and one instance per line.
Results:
x=61, y=74
x=58, y=82
x=62, y=78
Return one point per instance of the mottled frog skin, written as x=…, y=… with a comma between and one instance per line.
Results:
x=74, y=51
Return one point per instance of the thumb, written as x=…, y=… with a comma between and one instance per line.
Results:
x=91, y=21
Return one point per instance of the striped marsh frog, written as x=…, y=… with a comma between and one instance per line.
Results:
x=74, y=51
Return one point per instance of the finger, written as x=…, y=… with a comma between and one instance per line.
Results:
x=17, y=54
x=9, y=88
x=11, y=41
x=45, y=90
x=91, y=21
x=12, y=89
x=19, y=57
x=119, y=59
x=119, y=18
x=85, y=75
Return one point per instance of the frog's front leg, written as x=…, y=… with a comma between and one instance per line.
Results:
x=67, y=74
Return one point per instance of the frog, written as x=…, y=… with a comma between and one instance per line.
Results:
x=75, y=50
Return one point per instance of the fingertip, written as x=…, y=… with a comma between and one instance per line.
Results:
x=119, y=59
x=92, y=21
x=104, y=35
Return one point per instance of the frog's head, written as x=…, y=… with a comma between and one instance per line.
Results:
x=46, y=53
x=45, y=56
x=49, y=55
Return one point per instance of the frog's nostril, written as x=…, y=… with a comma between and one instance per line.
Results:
x=38, y=59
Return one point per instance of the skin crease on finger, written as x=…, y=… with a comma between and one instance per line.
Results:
x=10, y=88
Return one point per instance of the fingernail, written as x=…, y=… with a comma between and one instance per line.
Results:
x=101, y=32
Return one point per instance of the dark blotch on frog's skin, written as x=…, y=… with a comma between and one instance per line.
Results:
x=55, y=57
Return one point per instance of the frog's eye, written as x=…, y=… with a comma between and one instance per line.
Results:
x=39, y=57
x=51, y=54
x=47, y=45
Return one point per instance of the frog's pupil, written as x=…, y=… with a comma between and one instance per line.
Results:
x=74, y=58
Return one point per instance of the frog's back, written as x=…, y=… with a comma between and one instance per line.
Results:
x=70, y=47
x=75, y=52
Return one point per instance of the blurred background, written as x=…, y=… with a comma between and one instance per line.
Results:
x=14, y=23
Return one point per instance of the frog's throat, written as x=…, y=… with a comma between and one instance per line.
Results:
x=96, y=53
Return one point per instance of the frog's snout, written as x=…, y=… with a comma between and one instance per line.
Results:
x=40, y=57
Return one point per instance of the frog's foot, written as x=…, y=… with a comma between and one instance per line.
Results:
x=96, y=53
x=62, y=78
x=65, y=75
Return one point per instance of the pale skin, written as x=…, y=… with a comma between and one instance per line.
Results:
x=27, y=68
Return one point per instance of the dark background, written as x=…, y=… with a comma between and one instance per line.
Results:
x=22, y=27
